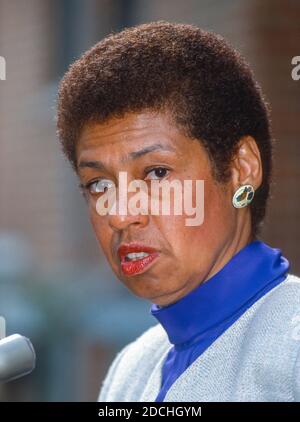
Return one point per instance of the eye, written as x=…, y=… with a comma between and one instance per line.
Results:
x=99, y=186
x=157, y=173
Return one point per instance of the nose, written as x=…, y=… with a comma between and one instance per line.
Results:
x=129, y=216
x=122, y=222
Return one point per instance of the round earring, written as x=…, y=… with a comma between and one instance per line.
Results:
x=243, y=196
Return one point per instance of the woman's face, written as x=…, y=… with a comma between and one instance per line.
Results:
x=147, y=146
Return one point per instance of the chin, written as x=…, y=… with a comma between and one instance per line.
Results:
x=145, y=289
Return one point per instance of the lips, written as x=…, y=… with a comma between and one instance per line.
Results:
x=136, y=258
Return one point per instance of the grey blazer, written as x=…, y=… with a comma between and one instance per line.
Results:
x=255, y=359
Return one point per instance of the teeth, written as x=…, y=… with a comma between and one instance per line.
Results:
x=135, y=255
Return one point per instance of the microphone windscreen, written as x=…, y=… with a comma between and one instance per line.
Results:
x=17, y=357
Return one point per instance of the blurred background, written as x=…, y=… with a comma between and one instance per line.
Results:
x=55, y=286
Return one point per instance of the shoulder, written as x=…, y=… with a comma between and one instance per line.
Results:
x=275, y=315
x=139, y=356
x=284, y=299
x=150, y=342
x=272, y=339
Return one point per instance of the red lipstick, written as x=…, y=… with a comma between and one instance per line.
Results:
x=132, y=265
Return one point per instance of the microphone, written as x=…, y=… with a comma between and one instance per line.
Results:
x=17, y=357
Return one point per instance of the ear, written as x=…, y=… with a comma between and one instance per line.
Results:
x=246, y=167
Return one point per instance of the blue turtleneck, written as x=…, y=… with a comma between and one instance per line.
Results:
x=199, y=318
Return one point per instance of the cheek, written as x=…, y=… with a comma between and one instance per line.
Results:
x=218, y=224
x=218, y=220
x=102, y=231
x=219, y=217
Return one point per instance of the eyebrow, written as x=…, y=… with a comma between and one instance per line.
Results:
x=150, y=148
x=98, y=165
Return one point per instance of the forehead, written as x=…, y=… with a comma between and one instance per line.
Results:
x=125, y=128
x=119, y=136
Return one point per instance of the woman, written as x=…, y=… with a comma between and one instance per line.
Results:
x=170, y=102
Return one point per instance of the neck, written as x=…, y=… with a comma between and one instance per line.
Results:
x=241, y=239
x=231, y=247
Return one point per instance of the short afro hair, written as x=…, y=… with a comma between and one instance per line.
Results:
x=205, y=85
